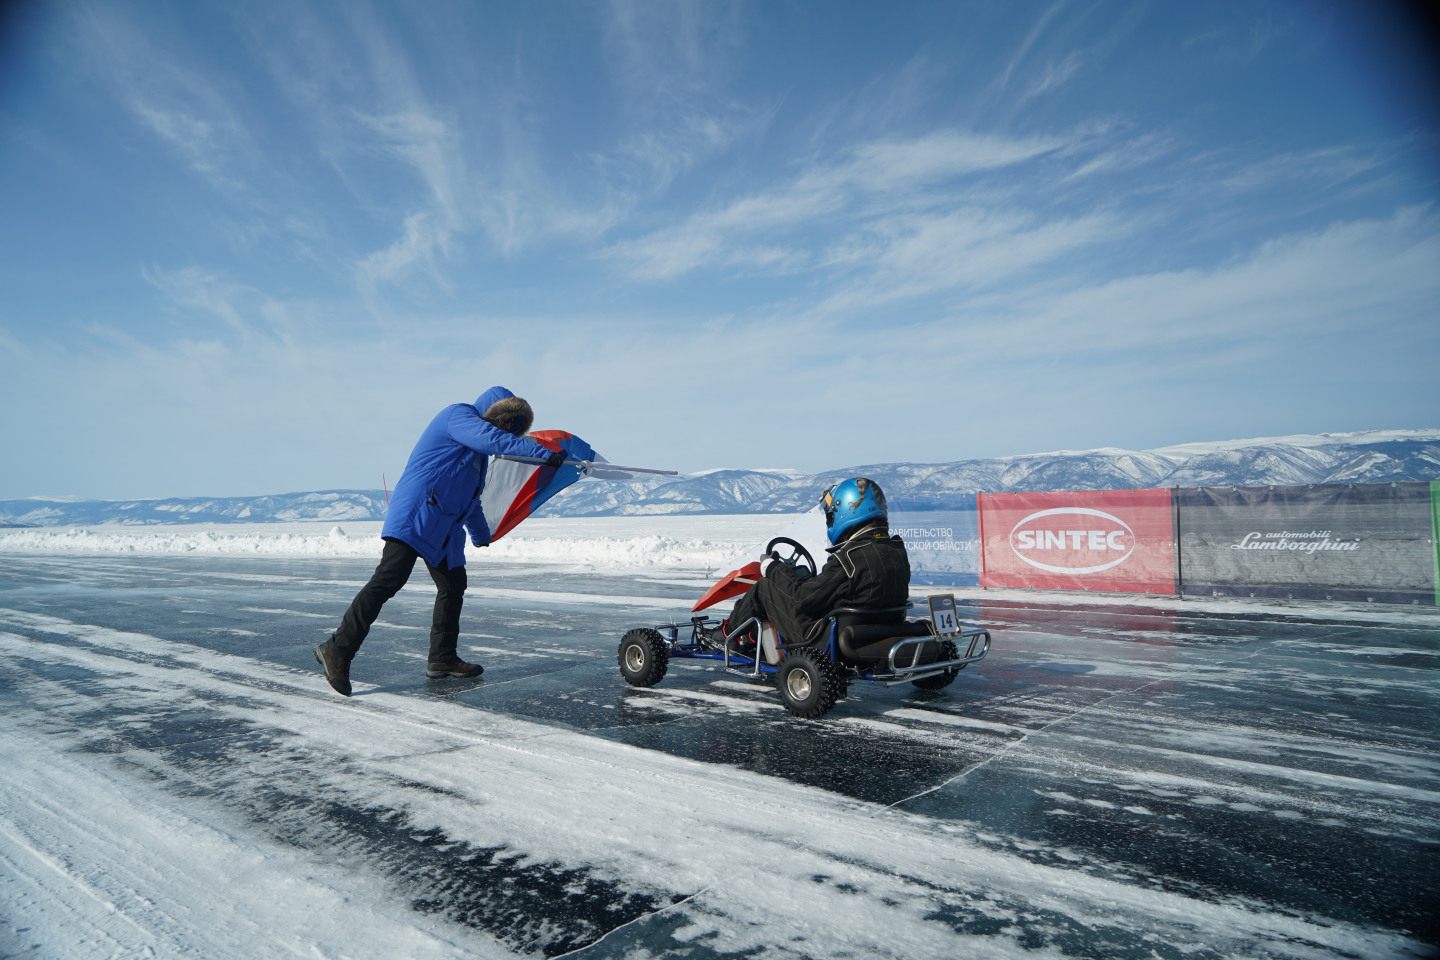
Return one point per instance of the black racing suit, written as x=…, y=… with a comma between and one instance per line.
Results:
x=867, y=569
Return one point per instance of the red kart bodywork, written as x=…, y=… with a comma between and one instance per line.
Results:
x=733, y=584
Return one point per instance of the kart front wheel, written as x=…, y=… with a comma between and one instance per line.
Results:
x=643, y=657
x=948, y=651
x=808, y=682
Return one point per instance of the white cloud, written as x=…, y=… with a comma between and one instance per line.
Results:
x=1029, y=40
x=881, y=166
x=178, y=102
x=661, y=54
x=646, y=161
x=1326, y=167
x=1057, y=73
x=418, y=138
x=889, y=168
x=430, y=148
x=713, y=238
x=965, y=250
x=424, y=242
x=246, y=313
x=1344, y=278
x=1130, y=154
x=205, y=145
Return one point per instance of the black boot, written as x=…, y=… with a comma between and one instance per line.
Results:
x=454, y=667
x=712, y=636
x=742, y=643
x=336, y=667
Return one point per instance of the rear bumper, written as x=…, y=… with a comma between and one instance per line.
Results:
x=976, y=646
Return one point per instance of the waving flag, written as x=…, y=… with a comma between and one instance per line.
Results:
x=514, y=489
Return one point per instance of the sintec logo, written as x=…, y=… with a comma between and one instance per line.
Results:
x=1072, y=540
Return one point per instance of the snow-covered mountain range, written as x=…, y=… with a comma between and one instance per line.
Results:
x=319, y=505
x=1374, y=457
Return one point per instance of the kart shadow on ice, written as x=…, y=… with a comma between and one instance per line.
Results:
x=867, y=645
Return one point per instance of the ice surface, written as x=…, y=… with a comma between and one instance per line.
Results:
x=1122, y=777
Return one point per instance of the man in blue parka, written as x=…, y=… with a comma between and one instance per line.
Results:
x=436, y=501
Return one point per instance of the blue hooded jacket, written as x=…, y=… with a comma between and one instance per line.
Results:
x=439, y=492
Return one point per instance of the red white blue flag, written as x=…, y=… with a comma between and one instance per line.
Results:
x=515, y=490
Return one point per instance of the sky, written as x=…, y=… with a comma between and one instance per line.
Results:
x=254, y=248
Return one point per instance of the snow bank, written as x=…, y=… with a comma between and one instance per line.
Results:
x=630, y=543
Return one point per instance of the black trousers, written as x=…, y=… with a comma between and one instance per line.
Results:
x=397, y=562
x=773, y=604
x=749, y=605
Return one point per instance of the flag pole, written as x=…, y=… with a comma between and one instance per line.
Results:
x=587, y=465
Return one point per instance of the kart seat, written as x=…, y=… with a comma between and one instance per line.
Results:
x=865, y=635
x=857, y=616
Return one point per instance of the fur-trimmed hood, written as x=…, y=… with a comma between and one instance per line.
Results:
x=491, y=397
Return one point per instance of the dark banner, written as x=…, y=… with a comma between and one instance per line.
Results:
x=1323, y=542
x=944, y=545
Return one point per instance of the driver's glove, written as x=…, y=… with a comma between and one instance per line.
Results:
x=772, y=564
x=556, y=460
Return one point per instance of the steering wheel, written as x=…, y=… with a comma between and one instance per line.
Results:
x=796, y=555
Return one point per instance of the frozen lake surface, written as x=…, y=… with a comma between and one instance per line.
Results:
x=1122, y=777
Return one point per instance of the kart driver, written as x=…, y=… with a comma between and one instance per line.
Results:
x=867, y=568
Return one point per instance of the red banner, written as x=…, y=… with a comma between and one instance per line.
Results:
x=1117, y=541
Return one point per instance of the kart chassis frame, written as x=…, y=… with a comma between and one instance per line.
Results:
x=697, y=647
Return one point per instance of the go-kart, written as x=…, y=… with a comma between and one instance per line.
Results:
x=855, y=644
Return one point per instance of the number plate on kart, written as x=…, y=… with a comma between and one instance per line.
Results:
x=942, y=614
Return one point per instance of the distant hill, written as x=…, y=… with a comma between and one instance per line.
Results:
x=319, y=505
x=1375, y=457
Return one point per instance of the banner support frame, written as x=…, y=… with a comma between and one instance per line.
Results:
x=1435, y=533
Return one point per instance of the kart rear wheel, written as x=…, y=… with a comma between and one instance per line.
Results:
x=808, y=683
x=644, y=657
x=948, y=651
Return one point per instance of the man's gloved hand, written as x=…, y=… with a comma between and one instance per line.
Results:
x=556, y=460
x=480, y=541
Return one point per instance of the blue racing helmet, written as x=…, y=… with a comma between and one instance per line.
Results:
x=850, y=503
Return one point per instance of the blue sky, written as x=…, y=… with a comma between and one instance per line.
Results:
x=252, y=248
